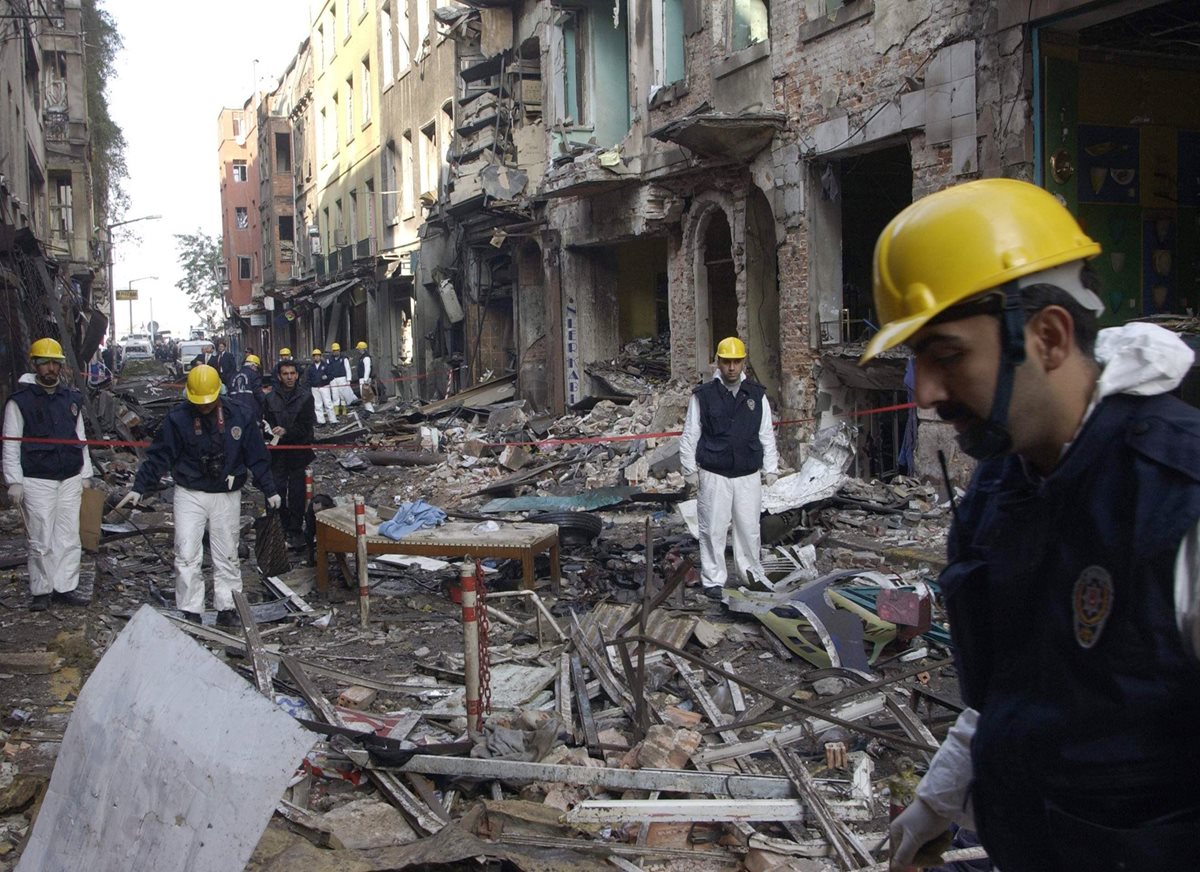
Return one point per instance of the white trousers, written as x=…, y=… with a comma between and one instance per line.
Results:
x=51, y=510
x=342, y=392
x=323, y=401
x=221, y=514
x=722, y=500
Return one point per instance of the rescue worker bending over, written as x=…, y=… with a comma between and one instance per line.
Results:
x=210, y=445
x=46, y=480
x=1074, y=559
x=728, y=441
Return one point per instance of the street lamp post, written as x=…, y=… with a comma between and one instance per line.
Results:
x=112, y=290
x=130, y=285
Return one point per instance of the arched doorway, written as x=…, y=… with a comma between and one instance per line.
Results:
x=762, y=292
x=716, y=285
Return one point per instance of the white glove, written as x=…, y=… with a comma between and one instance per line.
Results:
x=917, y=825
x=274, y=501
x=770, y=478
x=89, y=482
x=16, y=493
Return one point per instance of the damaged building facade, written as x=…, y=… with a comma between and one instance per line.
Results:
x=690, y=170
x=52, y=253
x=525, y=187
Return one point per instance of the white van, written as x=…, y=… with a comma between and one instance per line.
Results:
x=188, y=351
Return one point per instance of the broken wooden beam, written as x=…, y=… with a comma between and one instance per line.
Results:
x=609, y=811
x=665, y=780
x=258, y=654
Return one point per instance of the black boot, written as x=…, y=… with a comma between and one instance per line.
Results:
x=228, y=618
x=193, y=617
x=70, y=598
x=40, y=602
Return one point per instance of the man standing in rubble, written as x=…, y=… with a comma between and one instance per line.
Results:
x=339, y=377
x=210, y=445
x=728, y=442
x=46, y=480
x=291, y=414
x=317, y=378
x=1073, y=579
x=363, y=372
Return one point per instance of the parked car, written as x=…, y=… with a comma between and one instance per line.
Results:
x=138, y=350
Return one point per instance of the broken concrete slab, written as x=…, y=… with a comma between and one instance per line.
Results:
x=367, y=823
x=150, y=769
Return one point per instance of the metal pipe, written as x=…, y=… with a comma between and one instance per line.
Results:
x=360, y=532
x=467, y=583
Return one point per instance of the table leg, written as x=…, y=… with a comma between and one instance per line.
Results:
x=530, y=579
x=322, y=567
x=554, y=571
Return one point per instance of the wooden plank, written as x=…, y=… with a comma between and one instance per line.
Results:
x=730, y=784
x=600, y=811
x=562, y=693
x=258, y=659
x=277, y=584
x=590, y=732
x=29, y=662
x=707, y=704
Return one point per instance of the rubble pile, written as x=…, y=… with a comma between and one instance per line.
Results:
x=632, y=721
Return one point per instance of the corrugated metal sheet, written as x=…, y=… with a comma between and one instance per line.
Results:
x=662, y=625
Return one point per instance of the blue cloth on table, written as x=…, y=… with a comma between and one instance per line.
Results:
x=410, y=517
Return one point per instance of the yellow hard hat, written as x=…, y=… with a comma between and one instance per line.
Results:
x=203, y=385
x=953, y=245
x=731, y=348
x=48, y=349
x=362, y=346
x=253, y=358
x=335, y=347
x=285, y=352
x=316, y=352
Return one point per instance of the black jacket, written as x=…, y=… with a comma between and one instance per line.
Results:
x=295, y=412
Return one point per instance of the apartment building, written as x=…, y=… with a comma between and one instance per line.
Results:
x=242, y=253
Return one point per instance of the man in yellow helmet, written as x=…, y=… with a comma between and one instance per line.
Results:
x=247, y=385
x=317, y=378
x=728, y=441
x=46, y=479
x=339, y=375
x=210, y=444
x=363, y=373
x=1074, y=559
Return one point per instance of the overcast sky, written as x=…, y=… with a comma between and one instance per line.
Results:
x=182, y=63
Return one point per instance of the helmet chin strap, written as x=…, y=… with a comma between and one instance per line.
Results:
x=990, y=439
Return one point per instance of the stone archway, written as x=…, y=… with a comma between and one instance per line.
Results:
x=714, y=278
x=762, y=292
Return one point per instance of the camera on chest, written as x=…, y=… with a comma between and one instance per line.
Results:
x=212, y=464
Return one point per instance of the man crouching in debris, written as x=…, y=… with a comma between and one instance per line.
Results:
x=46, y=479
x=1074, y=559
x=291, y=415
x=207, y=443
x=728, y=439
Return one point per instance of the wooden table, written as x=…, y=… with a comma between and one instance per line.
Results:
x=521, y=541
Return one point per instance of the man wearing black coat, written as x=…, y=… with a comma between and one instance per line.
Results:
x=226, y=363
x=290, y=412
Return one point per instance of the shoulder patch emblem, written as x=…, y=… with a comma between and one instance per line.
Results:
x=236, y=433
x=750, y=404
x=1092, y=602
x=74, y=410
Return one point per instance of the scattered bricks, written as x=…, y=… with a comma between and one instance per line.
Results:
x=514, y=457
x=835, y=755
x=681, y=718
x=668, y=836
x=476, y=448
x=357, y=698
x=667, y=748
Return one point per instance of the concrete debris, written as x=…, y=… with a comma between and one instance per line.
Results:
x=630, y=717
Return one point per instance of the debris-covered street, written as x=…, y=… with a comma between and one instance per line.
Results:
x=771, y=731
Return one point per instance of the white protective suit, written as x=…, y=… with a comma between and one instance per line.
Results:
x=221, y=514
x=342, y=392
x=323, y=403
x=364, y=385
x=1141, y=359
x=51, y=511
x=723, y=499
